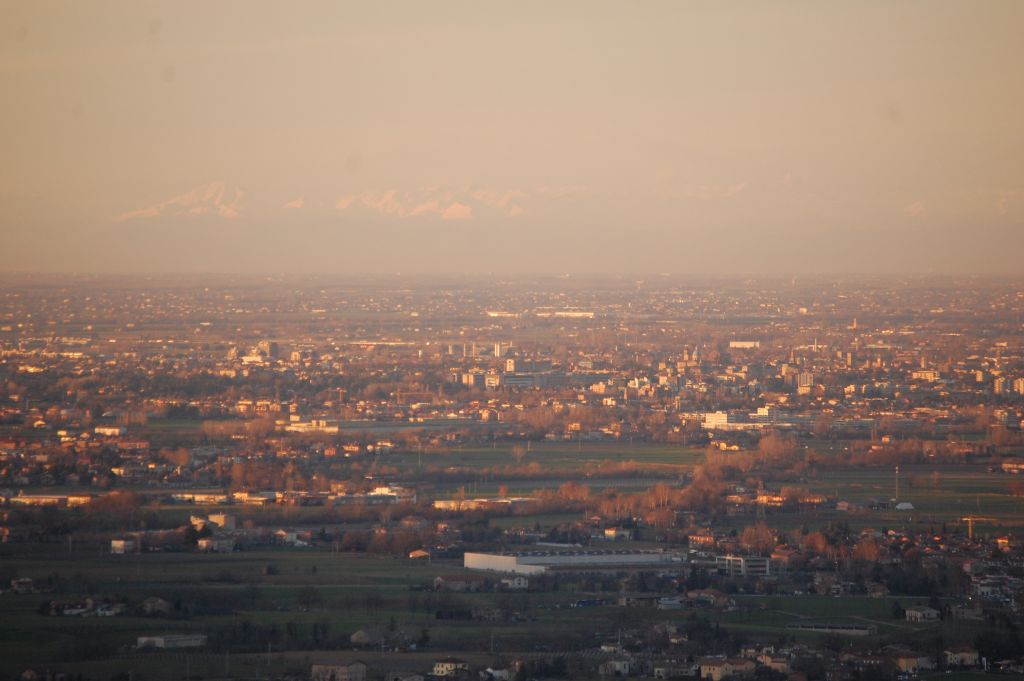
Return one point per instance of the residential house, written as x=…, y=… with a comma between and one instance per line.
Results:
x=717, y=669
x=618, y=667
x=517, y=583
x=459, y=583
x=710, y=597
x=618, y=533
x=778, y=663
x=912, y=663
x=122, y=546
x=330, y=672
x=671, y=670
x=921, y=614
x=216, y=545
x=961, y=656
x=450, y=666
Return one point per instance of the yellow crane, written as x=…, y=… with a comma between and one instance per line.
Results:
x=969, y=519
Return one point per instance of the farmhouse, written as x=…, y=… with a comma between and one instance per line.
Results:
x=961, y=656
x=459, y=583
x=450, y=666
x=912, y=663
x=921, y=614
x=341, y=672
x=716, y=669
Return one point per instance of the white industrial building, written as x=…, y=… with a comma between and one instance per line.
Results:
x=539, y=562
x=172, y=641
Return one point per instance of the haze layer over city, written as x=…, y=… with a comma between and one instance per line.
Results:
x=511, y=341
x=536, y=137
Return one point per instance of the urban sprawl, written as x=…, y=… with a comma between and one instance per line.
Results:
x=406, y=478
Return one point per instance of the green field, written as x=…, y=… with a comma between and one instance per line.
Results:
x=237, y=584
x=269, y=589
x=354, y=592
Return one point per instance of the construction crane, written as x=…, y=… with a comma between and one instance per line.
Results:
x=969, y=519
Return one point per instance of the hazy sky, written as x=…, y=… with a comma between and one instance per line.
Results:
x=512, y=137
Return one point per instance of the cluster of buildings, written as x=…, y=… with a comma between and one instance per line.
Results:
x=841, y=361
